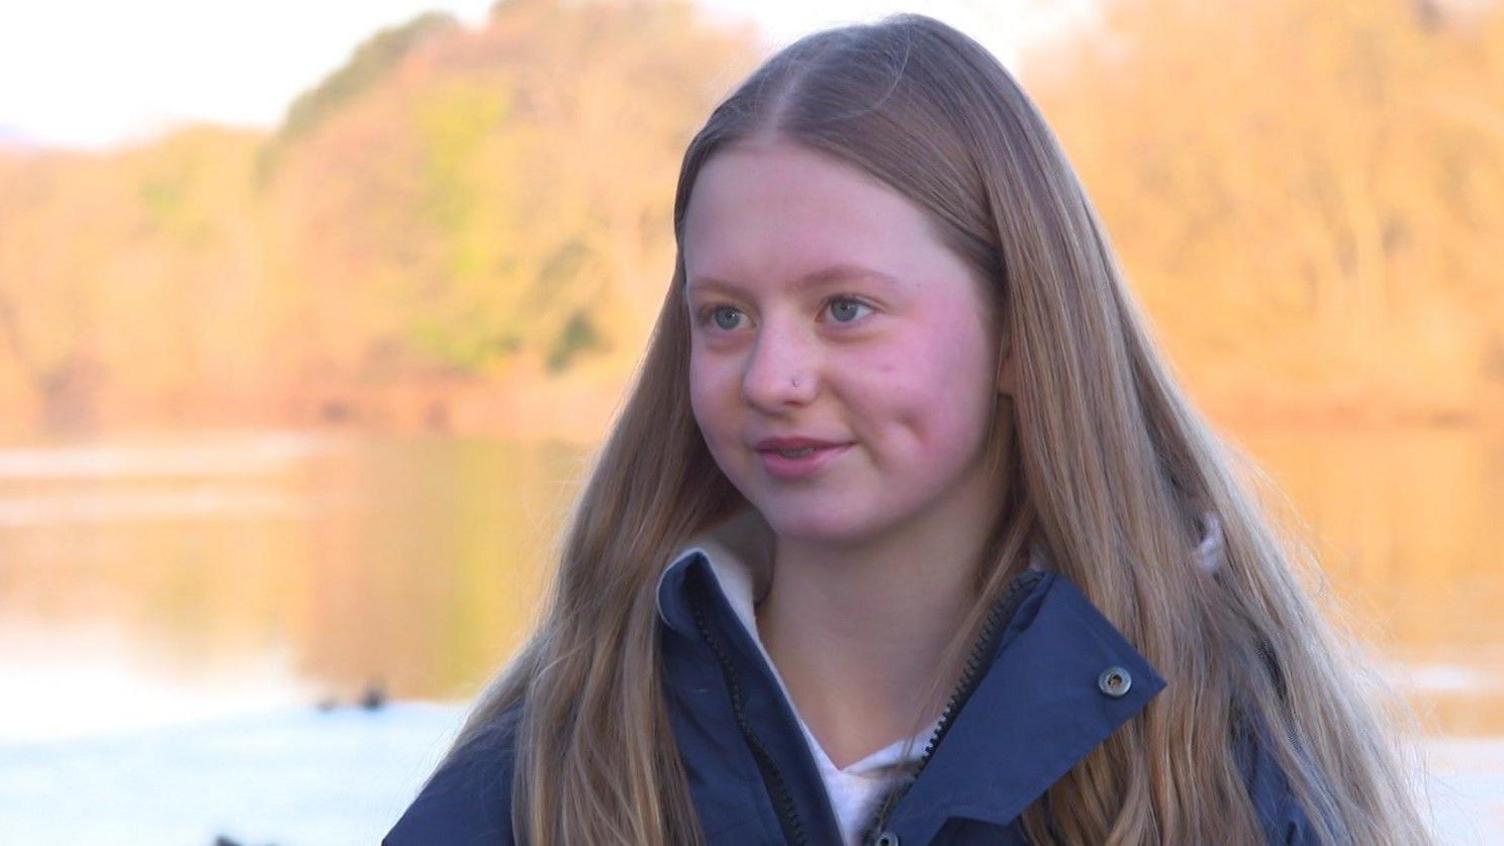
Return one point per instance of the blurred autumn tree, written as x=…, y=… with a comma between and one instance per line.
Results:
x=1308, y=194
x=372, y=61
x=1305, y=193
x=499, y=203
x=129, y=282
x=490, y=204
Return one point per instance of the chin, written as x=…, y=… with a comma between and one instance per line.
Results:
x=813, y=525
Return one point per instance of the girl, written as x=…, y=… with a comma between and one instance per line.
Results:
x=905, y=534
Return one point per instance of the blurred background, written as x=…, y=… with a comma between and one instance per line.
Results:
x=311, y=316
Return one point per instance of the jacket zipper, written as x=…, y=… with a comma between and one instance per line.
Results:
x=784, y=805
x=971, y=675
x=788, y=813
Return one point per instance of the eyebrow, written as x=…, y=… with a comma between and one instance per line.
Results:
x=825, y=276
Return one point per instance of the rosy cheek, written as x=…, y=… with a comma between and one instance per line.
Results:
x=711, y=400
x=886, y=366
x=701, y=407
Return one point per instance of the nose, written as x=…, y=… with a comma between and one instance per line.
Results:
x=782, y=370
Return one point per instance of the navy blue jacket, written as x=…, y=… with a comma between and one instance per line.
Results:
x=1050, y=679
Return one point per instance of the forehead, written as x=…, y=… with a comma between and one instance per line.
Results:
x=777, y=212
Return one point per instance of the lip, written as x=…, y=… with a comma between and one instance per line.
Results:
x=781, y=467
x=794, y=443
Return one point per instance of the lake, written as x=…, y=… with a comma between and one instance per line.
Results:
x=187, y=623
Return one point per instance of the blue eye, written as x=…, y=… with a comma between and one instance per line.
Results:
x=725, y=318
x=845, y=309
x=719, y=315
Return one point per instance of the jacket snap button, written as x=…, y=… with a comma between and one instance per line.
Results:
x=1114, y=682
x=887, y=838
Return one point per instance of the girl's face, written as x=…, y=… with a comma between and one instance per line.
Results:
x=823, y=307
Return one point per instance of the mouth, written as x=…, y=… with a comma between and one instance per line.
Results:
x=800, y=462
x=794, y=453
x=794, y=445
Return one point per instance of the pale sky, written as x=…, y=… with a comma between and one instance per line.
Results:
x=93, y=73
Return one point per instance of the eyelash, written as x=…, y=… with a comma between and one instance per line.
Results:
x=707, y=314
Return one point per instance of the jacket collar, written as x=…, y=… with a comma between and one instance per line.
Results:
x=739, y=551
x=1040, y=706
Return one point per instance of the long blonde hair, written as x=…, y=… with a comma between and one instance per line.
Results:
x=1112, y=467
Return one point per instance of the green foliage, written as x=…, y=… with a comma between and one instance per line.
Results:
x=454, y=125
x=366, y=67
x=370, y=62
x=162, y=195
x=579, y=336
x=175, y=189
x=517, y=184
x=467, y=342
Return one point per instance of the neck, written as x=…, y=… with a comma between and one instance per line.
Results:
x=883, y=612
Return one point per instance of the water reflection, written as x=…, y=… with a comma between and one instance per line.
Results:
x=408, y=562
x=1407, y=525
x=275, y=567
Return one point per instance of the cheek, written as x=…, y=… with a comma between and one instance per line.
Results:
x=708, y=401
x=700, y=404
x=937, y=390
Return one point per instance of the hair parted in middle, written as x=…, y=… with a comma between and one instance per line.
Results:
x=1108, y=466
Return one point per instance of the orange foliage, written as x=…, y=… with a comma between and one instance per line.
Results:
x=470, y=228
x=1307, y=195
